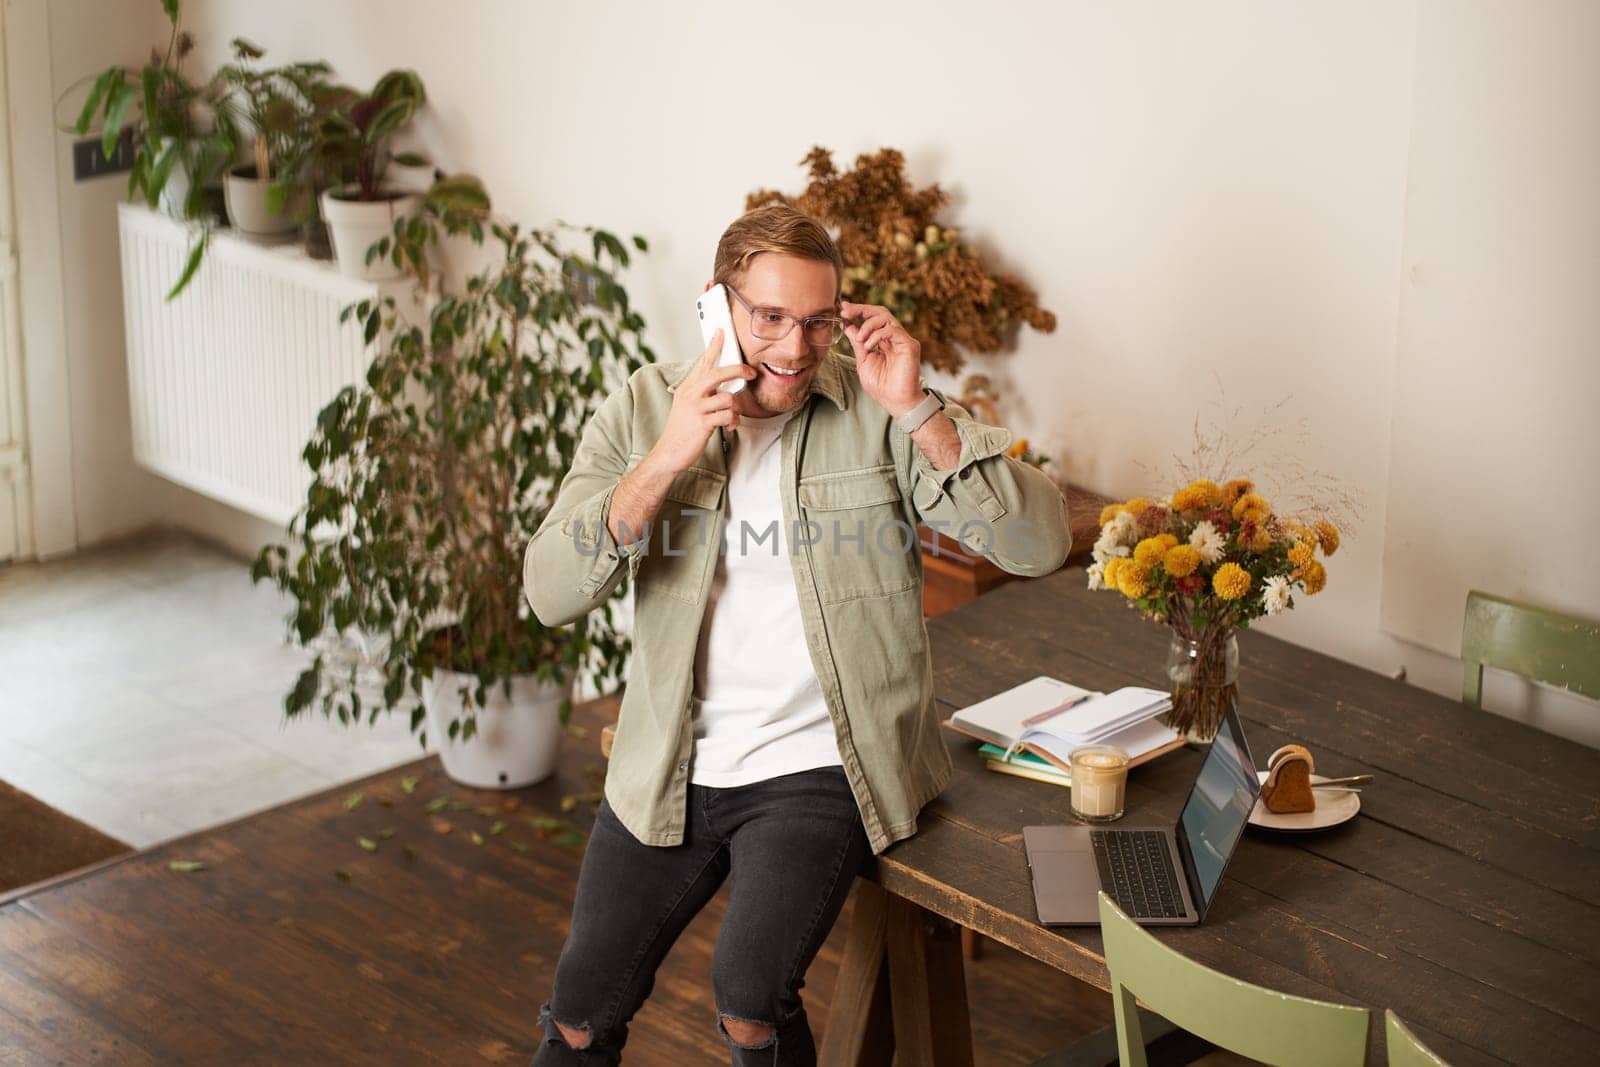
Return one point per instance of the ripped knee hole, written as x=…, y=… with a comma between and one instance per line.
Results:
x=745, y=1032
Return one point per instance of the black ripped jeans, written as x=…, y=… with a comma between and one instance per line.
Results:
x=793, y=844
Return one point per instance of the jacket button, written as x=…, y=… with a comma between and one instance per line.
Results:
x=683, y=766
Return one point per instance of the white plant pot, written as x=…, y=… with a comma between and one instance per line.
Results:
x=413, y=178
x=518, y=739
x=355, y=224
x=247, y=204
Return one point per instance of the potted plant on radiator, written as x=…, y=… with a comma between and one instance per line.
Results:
x=428, y=482
x=352, y=142
x=184, y=135
x=280, y=104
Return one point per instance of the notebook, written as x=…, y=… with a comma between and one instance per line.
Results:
x=1022, y=764
x=1127, y=718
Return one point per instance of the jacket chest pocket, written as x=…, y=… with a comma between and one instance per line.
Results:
x=862, y=544
x=683, y=537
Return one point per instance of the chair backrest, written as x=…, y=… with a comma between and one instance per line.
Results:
x=1247, y=1019
x=1404, y=1048
x=1534, y=642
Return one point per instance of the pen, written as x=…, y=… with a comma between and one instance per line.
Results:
x=1057, y=710
x=1041, y=717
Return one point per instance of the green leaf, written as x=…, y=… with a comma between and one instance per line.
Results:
x=354, y=801
x=518, y=845
x=195, y=253
x=499, y=827
x=409, y=784
x=477, y=838
x=367, y=843
x=97, y=93
x=122, y=97
x=387, y=832
x=436, y=804
x=186, y=865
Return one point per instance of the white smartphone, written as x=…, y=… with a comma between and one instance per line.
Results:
x=715, y=315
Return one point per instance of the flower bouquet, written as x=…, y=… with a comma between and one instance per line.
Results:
x=1206, y=562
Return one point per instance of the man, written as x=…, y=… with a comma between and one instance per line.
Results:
x=779, y=722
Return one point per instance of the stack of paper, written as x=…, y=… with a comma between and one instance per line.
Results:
x=1099, y=718
x=1049, y=718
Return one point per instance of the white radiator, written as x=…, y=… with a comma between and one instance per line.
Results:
x=225, y=380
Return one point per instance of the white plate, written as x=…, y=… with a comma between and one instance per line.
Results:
x=1333, y=808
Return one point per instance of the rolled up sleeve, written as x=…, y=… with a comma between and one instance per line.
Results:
x=572, y=563
x=1008, y=510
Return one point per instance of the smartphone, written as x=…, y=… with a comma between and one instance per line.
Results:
x=715, y=315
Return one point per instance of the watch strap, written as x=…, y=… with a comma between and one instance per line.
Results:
x=912, y=420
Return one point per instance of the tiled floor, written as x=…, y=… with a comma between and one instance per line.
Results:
x=142, y=685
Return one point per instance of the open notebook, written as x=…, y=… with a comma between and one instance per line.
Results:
x=1128, y=718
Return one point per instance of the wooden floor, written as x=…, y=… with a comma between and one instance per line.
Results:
x=437, y=949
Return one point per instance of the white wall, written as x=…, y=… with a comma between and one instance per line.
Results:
x=1198, y=191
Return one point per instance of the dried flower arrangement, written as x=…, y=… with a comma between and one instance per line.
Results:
x=897, y=255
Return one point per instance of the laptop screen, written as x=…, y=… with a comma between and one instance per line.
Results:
x=1218, y=806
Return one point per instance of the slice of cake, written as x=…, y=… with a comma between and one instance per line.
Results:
x=1288, y=785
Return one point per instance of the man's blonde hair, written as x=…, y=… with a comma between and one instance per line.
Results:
x=775, y=227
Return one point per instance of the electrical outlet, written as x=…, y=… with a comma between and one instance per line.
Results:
x=88, y=161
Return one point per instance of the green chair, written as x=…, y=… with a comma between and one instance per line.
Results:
x=1250, y=1020
x=1404, y=1048
x=1534, y=642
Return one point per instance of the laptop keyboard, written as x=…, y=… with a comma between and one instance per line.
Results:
x=1136, y=870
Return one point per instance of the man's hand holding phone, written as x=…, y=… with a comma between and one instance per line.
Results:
x=698, y=409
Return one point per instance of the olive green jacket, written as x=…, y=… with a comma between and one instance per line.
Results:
x=853, y=487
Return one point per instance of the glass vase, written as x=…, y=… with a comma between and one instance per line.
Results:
x=1203, y=673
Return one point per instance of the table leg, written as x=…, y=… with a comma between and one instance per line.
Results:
x=901, y=988
x=927, y=987
x=859, y=1031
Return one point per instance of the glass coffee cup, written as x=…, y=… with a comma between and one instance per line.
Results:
x=1099, y=782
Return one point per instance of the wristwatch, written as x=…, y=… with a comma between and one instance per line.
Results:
x=913, y=419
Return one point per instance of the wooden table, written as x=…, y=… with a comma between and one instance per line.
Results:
x=1465, y=896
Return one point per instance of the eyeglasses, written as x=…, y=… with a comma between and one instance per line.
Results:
x=770, y=324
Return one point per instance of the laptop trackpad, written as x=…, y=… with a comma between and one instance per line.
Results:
x=1065, y=882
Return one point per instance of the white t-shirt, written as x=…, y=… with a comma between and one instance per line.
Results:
x=758, y=708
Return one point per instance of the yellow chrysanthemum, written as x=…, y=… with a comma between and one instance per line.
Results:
x=1111, y=511
x=1231, y=581
x=1315, y=577
x=1133, y=579
x=1197, y=496
x=1247, y=503
x=1300, y=553
x=1167, y=540
x=1149, y=550
x=1328, y=535
x=1181, y=561
x=1137, y=504
x=1233, y=490
x=1113, y=565
x=1018, y=448
x=1260, y=538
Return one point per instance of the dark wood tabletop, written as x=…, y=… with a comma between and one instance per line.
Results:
x=1465, y=895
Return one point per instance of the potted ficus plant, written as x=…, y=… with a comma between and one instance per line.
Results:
x=428, y=482
x=184, y=135
x=279, y=104
x=352, y=142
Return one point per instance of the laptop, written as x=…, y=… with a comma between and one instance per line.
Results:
x=1160, y=876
